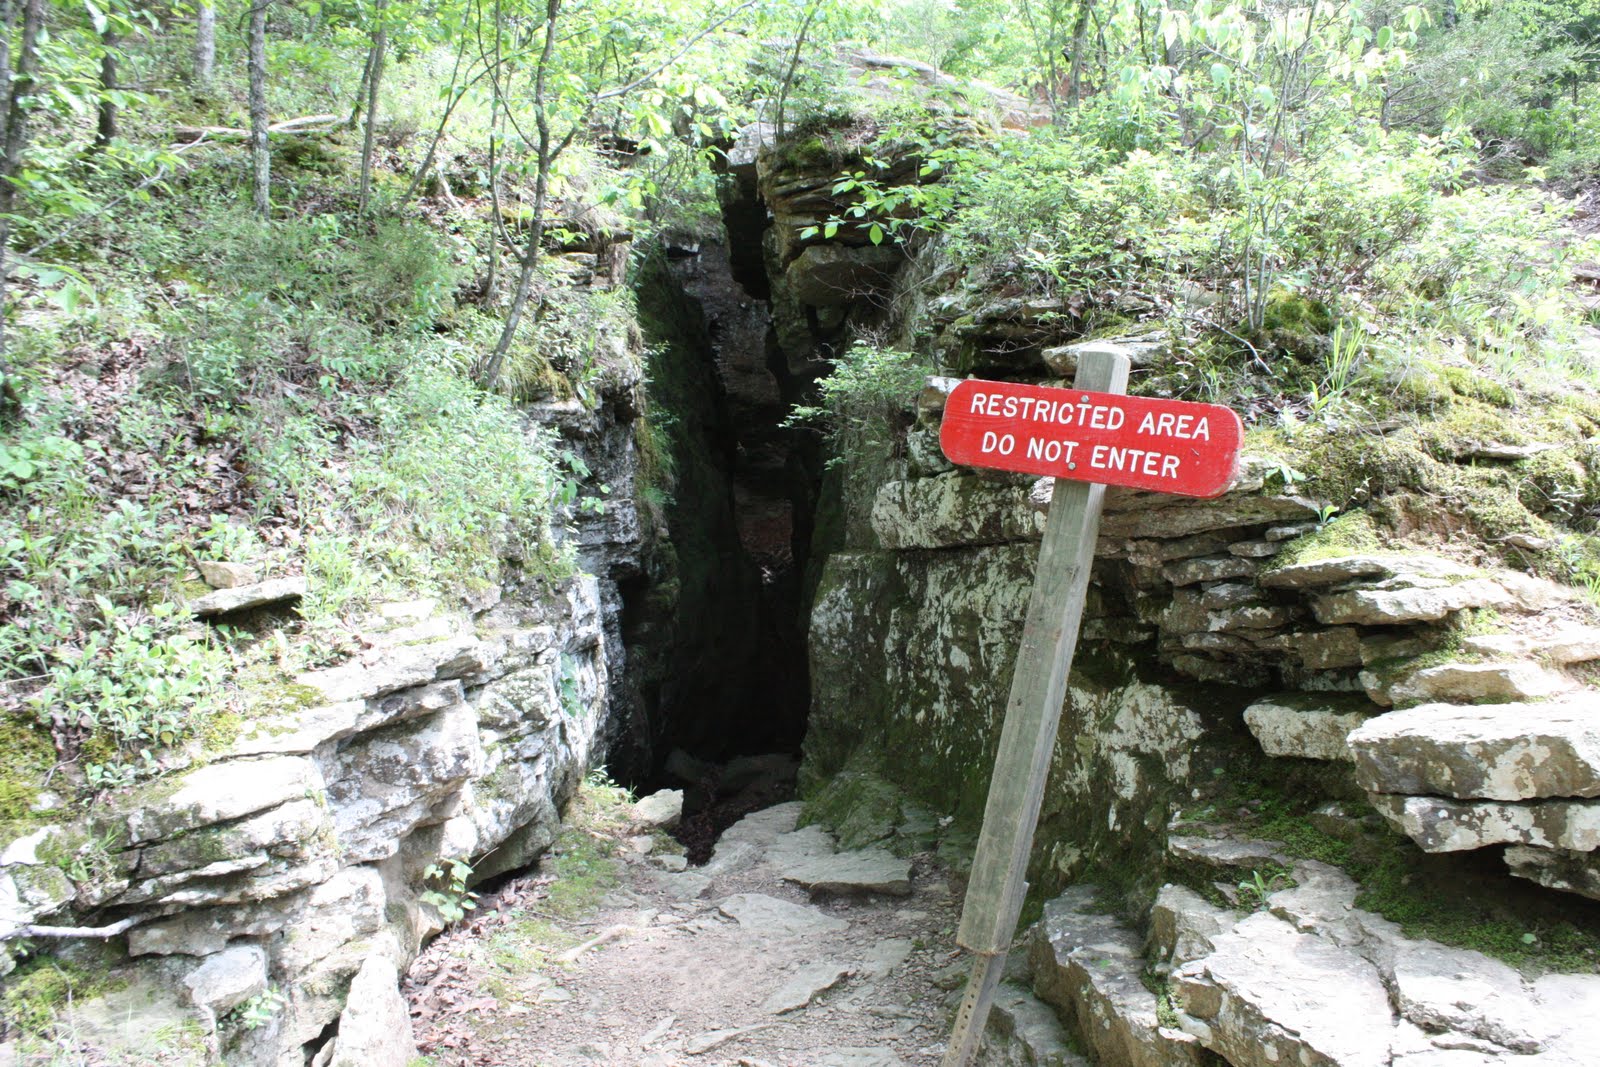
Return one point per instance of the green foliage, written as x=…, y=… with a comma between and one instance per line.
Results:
x=257, y=1011
x=447, y=893
x=41, y=988
x=1254, y=891
x=864, y=399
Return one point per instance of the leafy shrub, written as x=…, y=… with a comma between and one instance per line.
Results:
x=864, y=399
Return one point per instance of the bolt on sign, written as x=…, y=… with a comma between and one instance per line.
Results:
x=1086, y=437
x=1165, y=446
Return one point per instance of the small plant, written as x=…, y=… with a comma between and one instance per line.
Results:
x=258, y=1011
x=1342, y=359
x=448, y=894
x=1254, y=891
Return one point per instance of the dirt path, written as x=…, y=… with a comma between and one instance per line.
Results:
x=734, y=963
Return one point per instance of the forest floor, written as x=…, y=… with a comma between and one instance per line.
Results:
x=606, y=956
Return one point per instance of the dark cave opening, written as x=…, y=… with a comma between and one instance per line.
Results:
x=714, y=623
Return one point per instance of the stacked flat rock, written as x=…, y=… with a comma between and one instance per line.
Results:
x=1455, y=777
x=1309, y=979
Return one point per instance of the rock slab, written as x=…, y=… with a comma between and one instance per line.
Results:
x=375, y=1027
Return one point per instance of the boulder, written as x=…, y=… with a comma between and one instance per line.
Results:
x=871, y=870
x=1138, y=351
x=1392, y=605
x=228, y=979
x=1307, y=725
x=1490, y=751
x=1268, y=995
x=1565, y=646
x=960, y=508
x=218, y=792
x=1209, y=569
x=388, y=782
x=1335, y=570
x=401, y=666
x=824, y=275
x=1569, y=872
x=660, y=810
x=1088, y=965
x=222, y=575
x=1476, y=683
x=1024, y=1032
x=307, y=729
x=1183, y=925
x=762, y=827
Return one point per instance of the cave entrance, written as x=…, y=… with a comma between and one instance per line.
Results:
x=714, y=624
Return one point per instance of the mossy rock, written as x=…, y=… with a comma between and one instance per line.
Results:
x=1350, y=534
x=860, y=809
x=1555, y=483
x=26, y=756
x=1468, y=382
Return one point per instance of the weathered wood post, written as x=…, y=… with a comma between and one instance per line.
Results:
x=1087, y=437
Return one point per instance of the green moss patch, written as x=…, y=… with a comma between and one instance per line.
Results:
x=42, y=987
x=26, y=756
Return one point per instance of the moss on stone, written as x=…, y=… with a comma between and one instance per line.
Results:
x=1556, y=483
x=1465, y=900
x=1344, y=535
x=26, y=756
x=1468, y=382
x=40, y=988
x=859, y=807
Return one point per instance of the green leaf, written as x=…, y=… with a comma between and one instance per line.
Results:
x=1385, y=36
x=875, y=234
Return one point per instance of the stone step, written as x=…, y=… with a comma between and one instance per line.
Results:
x=1088, y=964
x=1488, y=751
x=1285, y=984
x=1268, y=994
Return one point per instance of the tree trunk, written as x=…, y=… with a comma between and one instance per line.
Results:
x=541, y=189
x=205, y=46
x=105, y=130
x=260, y=157
x=375, y=65
x=1080, y=32
x=360, y=102
x=19, y=80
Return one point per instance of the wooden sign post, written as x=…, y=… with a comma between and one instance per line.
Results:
x=1086, y=437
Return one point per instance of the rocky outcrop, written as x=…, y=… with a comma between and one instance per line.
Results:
x=296, y=856
x=299, y=853
x=1306, y=978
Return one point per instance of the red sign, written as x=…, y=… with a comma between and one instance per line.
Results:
x=1166, y=446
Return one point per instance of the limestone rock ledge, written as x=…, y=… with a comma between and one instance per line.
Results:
x=1307, y=979
x=295, y=858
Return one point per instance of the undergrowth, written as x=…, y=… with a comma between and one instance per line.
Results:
x=293, y=397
